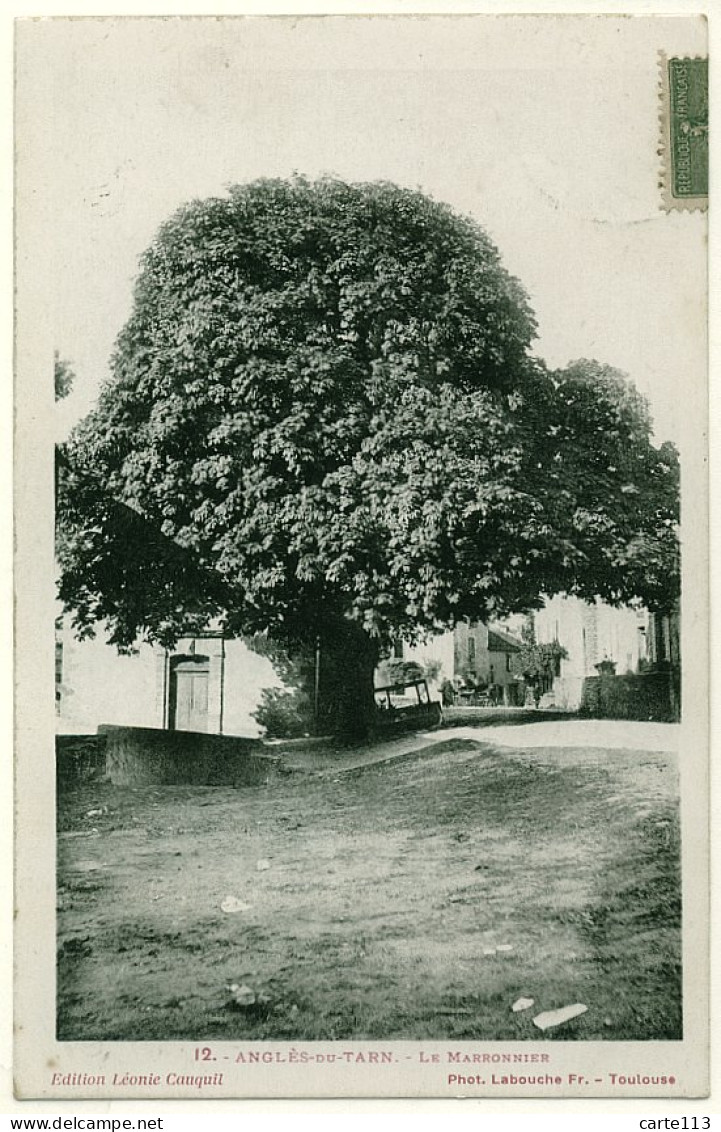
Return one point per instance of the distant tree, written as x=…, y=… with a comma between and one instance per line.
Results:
x=64, y=378
x=537, y=664
x=432, y=668
x=324, y=395
x=612, y=488
x=396, y=671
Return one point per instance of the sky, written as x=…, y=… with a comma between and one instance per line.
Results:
x=544, y=129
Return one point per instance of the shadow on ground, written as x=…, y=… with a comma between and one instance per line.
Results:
x=406, y=899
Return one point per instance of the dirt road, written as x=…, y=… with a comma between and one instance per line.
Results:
x=418, y=897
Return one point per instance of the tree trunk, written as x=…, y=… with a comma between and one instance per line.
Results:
x=347, y=660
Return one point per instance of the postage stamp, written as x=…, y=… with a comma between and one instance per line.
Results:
x=685, y=132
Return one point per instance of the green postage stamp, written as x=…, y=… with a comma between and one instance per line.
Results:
x=684, y=123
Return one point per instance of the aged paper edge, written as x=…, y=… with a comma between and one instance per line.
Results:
x=31, y=545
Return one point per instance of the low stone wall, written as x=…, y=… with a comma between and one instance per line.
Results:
x=144, y=756
x=648, y=696
x=79, y=759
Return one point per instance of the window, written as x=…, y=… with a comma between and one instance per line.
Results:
x=508, y=662
x=472, y=653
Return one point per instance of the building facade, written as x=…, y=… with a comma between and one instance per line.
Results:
x=205, y=684
x=590, y=634
x=474, y=654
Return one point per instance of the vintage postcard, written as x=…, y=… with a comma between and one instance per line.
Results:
x=361, y=577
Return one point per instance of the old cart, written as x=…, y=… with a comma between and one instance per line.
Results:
x=406, y=706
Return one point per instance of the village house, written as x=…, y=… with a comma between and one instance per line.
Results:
x=592, y=634
x=214, y=685
x=205, y=684
x=473, y=655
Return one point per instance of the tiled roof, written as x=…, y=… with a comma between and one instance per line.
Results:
x=498, y=641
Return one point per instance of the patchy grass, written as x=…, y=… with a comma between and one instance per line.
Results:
x=388, y=892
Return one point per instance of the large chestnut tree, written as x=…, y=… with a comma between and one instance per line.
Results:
x=324, y=422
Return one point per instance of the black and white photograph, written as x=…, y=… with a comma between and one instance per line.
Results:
x=361, y=582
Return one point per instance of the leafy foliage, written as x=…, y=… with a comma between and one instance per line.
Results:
x=537, y=663
x=115, y=558
x=396, y=671
x=287, y=712
x=311, y=395
x=324, y=401
x=432, y=668
x=64, y=378
x=612, y=488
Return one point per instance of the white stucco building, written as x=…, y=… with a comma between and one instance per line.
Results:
x=590, y=634
x=205, y=684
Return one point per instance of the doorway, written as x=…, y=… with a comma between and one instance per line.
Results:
x=188, y=706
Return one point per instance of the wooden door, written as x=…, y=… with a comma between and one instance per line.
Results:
x=189, y=693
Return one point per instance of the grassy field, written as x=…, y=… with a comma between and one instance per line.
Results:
x=410, y=899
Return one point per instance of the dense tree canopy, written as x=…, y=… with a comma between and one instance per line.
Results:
x=605, y=484
x=325, y=397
